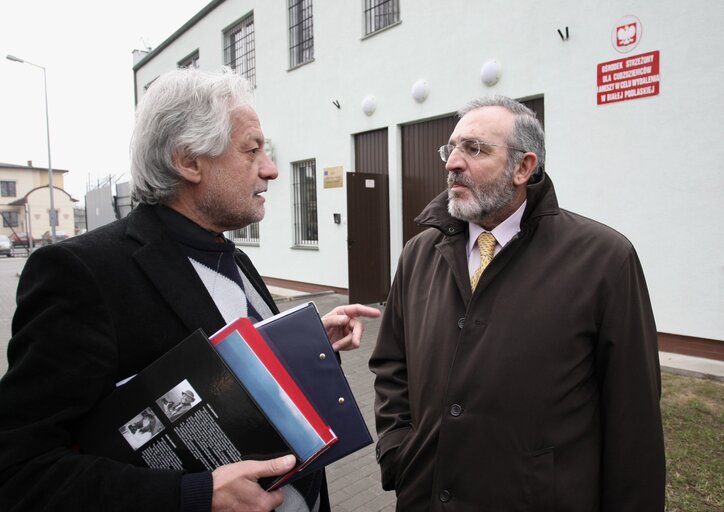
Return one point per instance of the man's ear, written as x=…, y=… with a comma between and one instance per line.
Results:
x=526, y=168
x=188, y=167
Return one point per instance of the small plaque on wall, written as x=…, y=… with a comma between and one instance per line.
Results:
x=333, y=177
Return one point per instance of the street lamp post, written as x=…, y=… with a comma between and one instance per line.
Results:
x=52, y=216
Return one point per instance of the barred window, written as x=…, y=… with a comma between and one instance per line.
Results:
x=190, y=61
x=246, y=235
x=305, y=203
x=10, y=219
x=301, y=32
x=380, y=14
x=7, y=189
x=239, y=53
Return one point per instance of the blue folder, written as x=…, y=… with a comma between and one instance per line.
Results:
x=270, y=396
x=300, y=341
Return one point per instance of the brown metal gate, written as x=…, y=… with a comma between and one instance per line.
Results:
x=368, y=220
x=423, y=173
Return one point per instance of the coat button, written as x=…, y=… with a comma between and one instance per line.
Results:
x=461, y=322
x=445, y=496
x=456, y=410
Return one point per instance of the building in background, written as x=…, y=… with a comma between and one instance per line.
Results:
x=356, y=97
x=25, y=202
x=106, y=201
x=81, y=226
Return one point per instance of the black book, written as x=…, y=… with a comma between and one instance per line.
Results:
x=189, y=411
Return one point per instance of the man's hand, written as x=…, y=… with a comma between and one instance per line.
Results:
x=343, y=326
x=236, y=487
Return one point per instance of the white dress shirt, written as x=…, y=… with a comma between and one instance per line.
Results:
x=503, y=233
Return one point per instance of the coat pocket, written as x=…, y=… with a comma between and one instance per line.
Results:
x=388, y=452
x=540, y=481
x=402, y=459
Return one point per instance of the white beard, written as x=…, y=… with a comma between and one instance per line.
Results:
x=488, y=198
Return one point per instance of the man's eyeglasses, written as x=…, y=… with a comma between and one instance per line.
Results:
x=471, y=148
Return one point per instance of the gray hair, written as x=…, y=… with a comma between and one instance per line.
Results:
x=184, y=112
x=527, y=130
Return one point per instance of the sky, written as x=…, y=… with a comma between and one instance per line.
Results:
x=86, y=47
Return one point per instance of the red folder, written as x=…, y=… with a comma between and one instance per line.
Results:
x=233, y=343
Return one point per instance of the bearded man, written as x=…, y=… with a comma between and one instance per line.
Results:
x=517, y=362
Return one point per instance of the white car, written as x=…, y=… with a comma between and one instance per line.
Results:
x=6, y=246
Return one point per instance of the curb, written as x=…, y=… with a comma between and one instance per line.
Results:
x=303, y=295
x=692, y=373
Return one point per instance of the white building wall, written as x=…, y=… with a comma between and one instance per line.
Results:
x=650, y=167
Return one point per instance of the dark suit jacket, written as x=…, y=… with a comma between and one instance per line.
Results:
x=93, y=310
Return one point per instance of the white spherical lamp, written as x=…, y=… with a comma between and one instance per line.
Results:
x=490, y=72
x=369, y=104
x=420, y=90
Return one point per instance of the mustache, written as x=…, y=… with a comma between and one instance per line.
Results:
x=456, y=178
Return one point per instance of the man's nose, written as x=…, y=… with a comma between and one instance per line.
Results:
x=268, y=170
x=455, y=160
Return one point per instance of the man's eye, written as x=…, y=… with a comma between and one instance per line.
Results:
x=470, y=147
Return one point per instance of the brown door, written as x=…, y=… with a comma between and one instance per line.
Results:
x=368, y=220
x=536, y=105
x=423, y=173
x=368, y=237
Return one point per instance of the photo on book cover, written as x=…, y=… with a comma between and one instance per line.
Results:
x=179, y=400
x=141, y=429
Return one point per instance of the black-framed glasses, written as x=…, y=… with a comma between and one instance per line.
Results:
x=471, y=148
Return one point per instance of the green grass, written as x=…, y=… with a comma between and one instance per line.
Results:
x=693, y=414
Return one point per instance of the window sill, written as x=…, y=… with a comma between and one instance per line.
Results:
x=305, y=247
x=241, y=243
x=372, y=34
x=300, y=65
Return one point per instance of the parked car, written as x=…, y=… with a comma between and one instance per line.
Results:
x=6, y=246
x=20, y=239
x=47, y=238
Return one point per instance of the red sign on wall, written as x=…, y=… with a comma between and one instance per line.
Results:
x=629, y=78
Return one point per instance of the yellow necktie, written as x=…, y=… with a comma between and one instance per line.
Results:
x=486, y=244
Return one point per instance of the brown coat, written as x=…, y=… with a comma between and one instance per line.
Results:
x=540, y=391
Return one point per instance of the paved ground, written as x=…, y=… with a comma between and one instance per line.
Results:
x=354, y=480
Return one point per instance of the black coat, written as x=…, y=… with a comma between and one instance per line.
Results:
x=93, y=310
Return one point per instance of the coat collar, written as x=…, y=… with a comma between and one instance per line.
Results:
x=170, y=271
x=541, y=197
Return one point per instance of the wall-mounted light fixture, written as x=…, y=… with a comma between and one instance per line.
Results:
x=369, y=104
x=490, y=72
x=420, y=90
